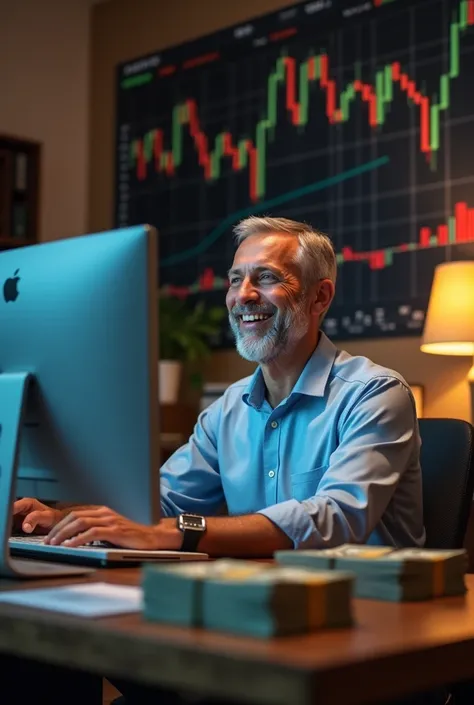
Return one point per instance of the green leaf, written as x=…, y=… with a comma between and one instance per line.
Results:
x=186, y=331
x=217, y=314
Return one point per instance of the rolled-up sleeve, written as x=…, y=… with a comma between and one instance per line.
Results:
x=378, y=439
x=190, y=480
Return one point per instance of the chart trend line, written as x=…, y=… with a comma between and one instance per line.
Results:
x=245, y=153
x=220, y=229
x=459, y=229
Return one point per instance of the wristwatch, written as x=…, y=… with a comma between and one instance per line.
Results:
x=193, y=528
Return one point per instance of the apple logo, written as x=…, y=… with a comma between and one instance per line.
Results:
x=10, y=288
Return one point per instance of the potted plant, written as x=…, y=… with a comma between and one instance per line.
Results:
x=185, y=334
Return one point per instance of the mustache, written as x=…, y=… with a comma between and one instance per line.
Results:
x=251, y=310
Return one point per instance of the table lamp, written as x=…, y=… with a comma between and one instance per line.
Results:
x=449, y=324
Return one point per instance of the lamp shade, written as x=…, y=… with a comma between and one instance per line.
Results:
x=449, y=324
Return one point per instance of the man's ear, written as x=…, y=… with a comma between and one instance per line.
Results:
x=322, y=297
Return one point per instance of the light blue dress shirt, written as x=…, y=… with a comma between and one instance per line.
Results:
x=336, y=461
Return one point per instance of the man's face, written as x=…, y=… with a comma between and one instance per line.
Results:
x=268, y=311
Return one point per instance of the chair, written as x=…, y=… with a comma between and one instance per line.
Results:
x=447, y=467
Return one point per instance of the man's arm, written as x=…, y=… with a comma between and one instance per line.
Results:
x=378, y=439
x=251, y=535
x=190, y=480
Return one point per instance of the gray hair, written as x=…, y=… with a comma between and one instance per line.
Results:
x=316, y=253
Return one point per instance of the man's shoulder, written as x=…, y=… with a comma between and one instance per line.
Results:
x=359, y=370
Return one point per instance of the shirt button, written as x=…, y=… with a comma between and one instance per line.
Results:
x=274, y=424
x=271, y=473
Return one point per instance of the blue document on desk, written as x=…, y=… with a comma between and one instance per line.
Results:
x=85, y=600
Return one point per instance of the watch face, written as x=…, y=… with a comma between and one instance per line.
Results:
x=189, y=521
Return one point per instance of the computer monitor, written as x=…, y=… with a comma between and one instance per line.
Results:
x=78, y=376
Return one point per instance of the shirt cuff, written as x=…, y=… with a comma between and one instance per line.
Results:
x=294, y=521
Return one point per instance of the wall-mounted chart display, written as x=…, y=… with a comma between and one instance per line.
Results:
x=357, y=117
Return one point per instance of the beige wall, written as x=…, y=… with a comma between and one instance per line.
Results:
x=126, y=29
x=44, y=77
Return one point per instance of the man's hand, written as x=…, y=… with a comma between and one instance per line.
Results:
x=32, y=516
x=81, y=526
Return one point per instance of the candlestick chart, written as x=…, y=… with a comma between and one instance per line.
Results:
x=355, y=117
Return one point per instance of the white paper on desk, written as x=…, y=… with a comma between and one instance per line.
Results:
x=89, y=600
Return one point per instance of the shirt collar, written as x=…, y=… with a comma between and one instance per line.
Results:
x=312, y=380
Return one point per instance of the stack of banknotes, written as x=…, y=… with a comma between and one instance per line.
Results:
x=386, y=573
x=246, y=597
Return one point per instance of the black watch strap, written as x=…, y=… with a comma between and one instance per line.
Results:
x=193, y=528
x=191, y=540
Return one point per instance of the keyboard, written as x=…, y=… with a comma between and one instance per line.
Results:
x=96, y=553
x=39, y=540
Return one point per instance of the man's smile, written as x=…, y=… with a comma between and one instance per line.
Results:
x=253, y=321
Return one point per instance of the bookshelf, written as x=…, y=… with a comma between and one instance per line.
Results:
x=19, y=191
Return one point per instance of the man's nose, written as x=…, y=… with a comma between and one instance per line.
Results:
x=247, y=292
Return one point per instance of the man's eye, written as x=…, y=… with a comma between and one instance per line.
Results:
x=233, y=281
x=267, y=276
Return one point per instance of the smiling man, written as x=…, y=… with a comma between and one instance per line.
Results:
x=317, y=448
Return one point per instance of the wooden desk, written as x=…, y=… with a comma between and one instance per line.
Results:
x=395, y=649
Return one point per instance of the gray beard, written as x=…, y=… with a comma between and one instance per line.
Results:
x=287, y=329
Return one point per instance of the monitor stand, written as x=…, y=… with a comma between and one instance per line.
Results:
x=14, y=389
